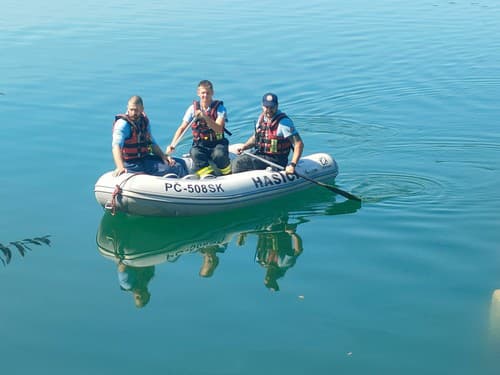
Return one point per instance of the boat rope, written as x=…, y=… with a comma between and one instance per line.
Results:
x=117, y=192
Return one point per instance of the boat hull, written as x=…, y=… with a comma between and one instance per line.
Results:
x=147, y=195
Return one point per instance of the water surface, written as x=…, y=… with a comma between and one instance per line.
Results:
x=403, y=94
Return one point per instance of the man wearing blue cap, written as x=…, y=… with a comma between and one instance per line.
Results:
x=275, y=135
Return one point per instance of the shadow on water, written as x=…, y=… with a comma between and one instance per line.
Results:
x=138, y=244
x=21, y=246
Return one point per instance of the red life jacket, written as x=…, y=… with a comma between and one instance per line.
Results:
x=201, y=131
x=267, y=140
x=139, y=143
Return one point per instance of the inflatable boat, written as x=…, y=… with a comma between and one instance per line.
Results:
x=146, y=195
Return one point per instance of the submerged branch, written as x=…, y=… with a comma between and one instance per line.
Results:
x=21, y=246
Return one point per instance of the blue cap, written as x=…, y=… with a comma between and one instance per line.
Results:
x=269, y=100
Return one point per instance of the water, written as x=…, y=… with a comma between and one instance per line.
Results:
x=403, y=94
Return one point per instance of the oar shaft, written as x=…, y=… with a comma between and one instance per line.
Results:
x=174, y=144
x=280, y=167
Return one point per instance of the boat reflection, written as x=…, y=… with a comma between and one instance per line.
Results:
x=138, y=244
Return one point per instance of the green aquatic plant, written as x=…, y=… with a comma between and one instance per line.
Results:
x=22, y=246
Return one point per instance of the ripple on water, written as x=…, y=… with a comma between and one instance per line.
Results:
x=401, y=188
x=458, y=153
x=438, y=168
x=434, y=168
x=347, y=132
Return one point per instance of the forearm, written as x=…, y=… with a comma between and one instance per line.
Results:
x=216, y=125
x=157, y=150
x=177, y=135
x=249, y=143
x=117, y=157
x=298, y=148
x=297, y=244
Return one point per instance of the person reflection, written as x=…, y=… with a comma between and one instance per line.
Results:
x=278, y=247
x=135, y=280
x=210, y=259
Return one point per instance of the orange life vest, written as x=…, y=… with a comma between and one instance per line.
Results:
x=267, y=140
x=140, y=141
x=201, y=132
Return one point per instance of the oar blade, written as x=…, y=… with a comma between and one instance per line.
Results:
x=335, y=189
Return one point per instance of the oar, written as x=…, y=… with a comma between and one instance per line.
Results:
x=329, y=187
x=174, y=144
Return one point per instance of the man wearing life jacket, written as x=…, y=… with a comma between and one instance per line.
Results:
x=275, y=135
x=207, y=119
x=134, y=148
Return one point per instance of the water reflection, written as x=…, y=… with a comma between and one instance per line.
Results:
x=135, y=280
x=138, y=244
x=278, y=246
x=211, y=259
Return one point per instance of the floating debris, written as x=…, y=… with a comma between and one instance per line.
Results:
x=495, y=315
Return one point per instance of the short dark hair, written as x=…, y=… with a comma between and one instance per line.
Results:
x=206, y=83
x=136, y=99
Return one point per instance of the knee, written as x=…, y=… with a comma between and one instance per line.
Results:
x=220, y=153
x=179, y=168
x=220, y=156
x=194, y=153
x=239, y=165
x=234, y=166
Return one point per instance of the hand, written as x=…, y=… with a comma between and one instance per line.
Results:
x=119, y=171
x=241, y=239
x=199, y=114
x=290, y=169
x=170, y=149
x=240, y=150
x=168, y=160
